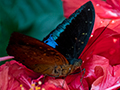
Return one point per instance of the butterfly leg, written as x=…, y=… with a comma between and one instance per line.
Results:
x=82, y=76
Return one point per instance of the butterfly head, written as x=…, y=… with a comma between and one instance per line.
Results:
x=66, y=69
x=61, y=70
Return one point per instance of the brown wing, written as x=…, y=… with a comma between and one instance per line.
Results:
x=34, y=54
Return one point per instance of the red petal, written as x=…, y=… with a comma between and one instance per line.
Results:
x=57, y=84
x=107, y=45
x=70, y=6
x=94, y=67
x=11, y=73
x=105, y=11
x=109, y=81
x=77, y=82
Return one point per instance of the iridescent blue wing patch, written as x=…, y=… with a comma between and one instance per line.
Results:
x=72, y=35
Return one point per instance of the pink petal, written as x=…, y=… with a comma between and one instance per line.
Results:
x=4, y=78
x=6, y=58
x=114, y=3
x=115, y=25
x=6, y=81
x=109, y=81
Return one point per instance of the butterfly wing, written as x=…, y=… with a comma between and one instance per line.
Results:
x=72, y=35
x=34, y=54
x=69, y=38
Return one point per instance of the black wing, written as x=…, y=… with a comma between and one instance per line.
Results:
x=72, y=35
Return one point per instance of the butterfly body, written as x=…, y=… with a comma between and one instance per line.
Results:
x=65, y=44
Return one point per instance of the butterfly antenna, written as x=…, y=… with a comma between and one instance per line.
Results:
x=64, y=81
x=44, y=78
x=82, y=76
x=96, y=38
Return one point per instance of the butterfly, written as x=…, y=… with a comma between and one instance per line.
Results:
x=57, y=55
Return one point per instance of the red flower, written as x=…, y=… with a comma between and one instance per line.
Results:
x=77, y=81
x=100, y=57
x=100, y=75
x=15, y=76
x=12, y=75
x=106, y=45
x=105, y=11
x=109, y=80
x=100, y=72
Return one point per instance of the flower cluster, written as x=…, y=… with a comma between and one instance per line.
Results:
x=101, y=56
x=101, y=59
